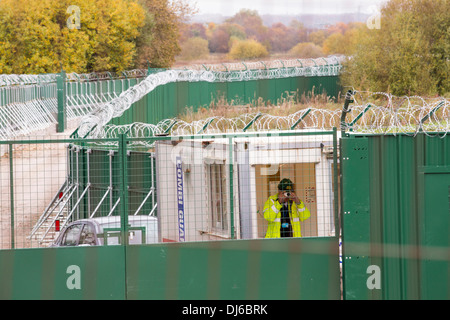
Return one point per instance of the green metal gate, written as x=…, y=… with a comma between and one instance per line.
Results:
x=296, y=268
x=395, y=215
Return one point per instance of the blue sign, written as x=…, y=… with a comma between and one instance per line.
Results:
x=180, y=199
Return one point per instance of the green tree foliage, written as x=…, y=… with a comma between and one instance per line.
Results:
x=247, y=49
x=409, y=54
x=35, y=38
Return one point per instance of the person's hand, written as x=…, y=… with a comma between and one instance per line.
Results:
x=294, y=198
x=282, y=198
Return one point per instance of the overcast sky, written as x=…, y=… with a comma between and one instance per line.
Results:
x=230, y=7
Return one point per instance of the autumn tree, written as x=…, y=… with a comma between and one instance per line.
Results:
x=247, y=49
x=343, y=40
x=218, y=42
x=194, y=48
x=252, y=24
x=282, y=38
x=35, y=36
x=339, y=27
x=221, y=36
x=317, y=37
x=193, y=30
x=299, y=32
x=158, y=43
x=306, y=50
x=279, y=37
x=410, y=52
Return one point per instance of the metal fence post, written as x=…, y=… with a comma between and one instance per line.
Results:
x=348, y=100
x=337, y=220
x=231, y=169
x=123, y=187
x=62, y=100
x=11, y=190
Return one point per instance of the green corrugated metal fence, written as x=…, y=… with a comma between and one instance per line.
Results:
x=63, y=273
x=230, y=270
x=235, y=270
x=171, y=100
x=298, y=268
x=395, y=197
x=395, y=214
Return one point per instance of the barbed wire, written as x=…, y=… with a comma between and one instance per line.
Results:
x=380, y=112
x=115, y=108
x=371, y=112
x=270, y=64
x=393, y=115
x=331, y=64
x=33, y=79
x=98, y=76
x=23, y=92
x=23, y=79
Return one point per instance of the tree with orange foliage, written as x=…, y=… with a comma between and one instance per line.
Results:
x=159, y=41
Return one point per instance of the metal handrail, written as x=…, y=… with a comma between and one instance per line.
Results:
x=46, y=212
x=70, y=214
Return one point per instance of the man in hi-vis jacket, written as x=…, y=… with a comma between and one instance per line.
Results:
x=284, y=211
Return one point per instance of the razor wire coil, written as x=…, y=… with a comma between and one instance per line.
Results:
x=26, y=109
x=115, y=108
x=397, y=115
x=372, y=113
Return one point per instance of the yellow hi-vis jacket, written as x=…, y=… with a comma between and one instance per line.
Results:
x=272, y=213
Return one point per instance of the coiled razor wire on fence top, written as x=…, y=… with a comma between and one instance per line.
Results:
x=331, y=61
x=375, y=113
x=383, y=113
x=25, y=79
x=30, y=79
x=28, y=102
x=393, y=115
x=96, y=120
x=331, y=64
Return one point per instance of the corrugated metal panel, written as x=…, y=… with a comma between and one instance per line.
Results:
x=32, y=274
x=297, y=268
x=171, y=100
x=229, y=270
x=396, y=215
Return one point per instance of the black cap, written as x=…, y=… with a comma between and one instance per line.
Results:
x=286, y=185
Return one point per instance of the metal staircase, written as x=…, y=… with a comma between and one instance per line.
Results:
x=53, y=219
